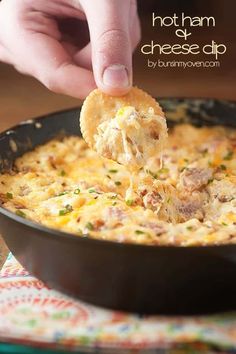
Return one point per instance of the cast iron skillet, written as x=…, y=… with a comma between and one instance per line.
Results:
x=144, y=279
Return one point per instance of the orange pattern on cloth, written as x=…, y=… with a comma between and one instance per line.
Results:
x=33, y=314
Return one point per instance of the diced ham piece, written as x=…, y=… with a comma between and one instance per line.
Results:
x=189, y=209
x=195, y=178
x=24, y=190
x=212, y=145
x=155, y=226
x=152, y=200
x=223, y=190
x=116, y=212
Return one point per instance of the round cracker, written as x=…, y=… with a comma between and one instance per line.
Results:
x=99, y=107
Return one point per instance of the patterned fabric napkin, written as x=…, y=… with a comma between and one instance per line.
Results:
x=32, y=314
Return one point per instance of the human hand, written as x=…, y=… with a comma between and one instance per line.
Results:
x=49, y=40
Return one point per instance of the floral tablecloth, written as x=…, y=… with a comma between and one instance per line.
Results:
x=34, y=315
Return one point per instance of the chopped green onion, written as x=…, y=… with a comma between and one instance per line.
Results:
x=139, y=232
x=112, y=196
x=9, y=195
x=154, y=175
x=62, y=212
x=68, y=209
x=62, y=193
x=229, y=156
x=205, y=152
x=113, y=171
x=129, y=202
x=114, y=203
x=77, y=191
x=21, y=213
x=80, y=232
x=89, y=226
x=210, y=180
x=223, y=167
x=117, y=183
x=62, y=173
x=163, y=170
x=210, y=164
x=223, y=223
x=189, y=228
x=108, y=176
x=92, y=190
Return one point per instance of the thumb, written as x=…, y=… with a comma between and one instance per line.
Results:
x=108, y=22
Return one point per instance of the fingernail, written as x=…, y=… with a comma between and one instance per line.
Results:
x=116, y=76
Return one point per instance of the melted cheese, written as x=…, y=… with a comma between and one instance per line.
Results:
x=134, y=140
x=190, y=200
x=131, y=138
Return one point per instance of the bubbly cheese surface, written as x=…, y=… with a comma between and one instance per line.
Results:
x=190, y=200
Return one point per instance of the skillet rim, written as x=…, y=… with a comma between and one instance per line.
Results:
x=51, y=232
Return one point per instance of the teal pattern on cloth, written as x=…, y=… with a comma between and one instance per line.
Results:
x=32, y=314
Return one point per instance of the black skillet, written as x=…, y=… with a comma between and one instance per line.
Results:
x=144, y=279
